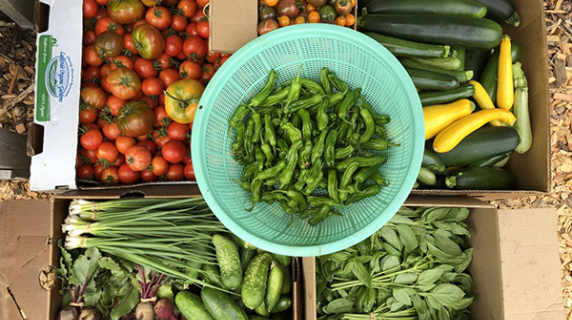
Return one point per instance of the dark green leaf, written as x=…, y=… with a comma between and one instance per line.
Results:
x=91, y=294
x=361, y=273
x=339, y=306
x=435, y=214
x=85, y=267
x=126, y=304
x=430, y=276
x=467, y=258
x=447, y=246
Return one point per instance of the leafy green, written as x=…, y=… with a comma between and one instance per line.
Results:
x=120, y=295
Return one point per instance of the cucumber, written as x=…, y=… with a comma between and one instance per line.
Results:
x=405, y=48
x=464, y=8
x=476, y=60
x=470, y=33
x=461, y=76
x=502, y=10
x=427, y=80
x=482, y=144
x=228, y=261
x=432, y=161
x=489, y=76
x=429, y=98
x=255, y=277
x=191, y=306
x=287, y=282
x=447, y=63
x=283, y=260
x=221, y=306
x=274, y=287
x=262, y=310
x=243, y=244
x=491, y=161
x=245, y=257
x=426, y=177
x=283, y=304
x=213, y=275
x=481, y=178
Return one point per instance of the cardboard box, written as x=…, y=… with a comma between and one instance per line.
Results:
x=229, y=34
x=515, y=268
x=29, y=255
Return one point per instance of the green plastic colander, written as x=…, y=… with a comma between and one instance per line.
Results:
x=357, y=60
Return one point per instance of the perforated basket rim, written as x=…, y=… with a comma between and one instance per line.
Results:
x=251, y=50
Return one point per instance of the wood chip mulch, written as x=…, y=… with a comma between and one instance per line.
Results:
x=17, y=55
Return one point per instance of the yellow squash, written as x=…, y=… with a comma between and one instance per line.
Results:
x=484, y=100
x=505, y=85
x=439, y=117
x=449, y=138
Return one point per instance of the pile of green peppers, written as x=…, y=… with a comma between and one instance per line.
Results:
x=302, y=138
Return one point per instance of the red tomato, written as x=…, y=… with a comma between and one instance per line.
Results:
x=85, y=172
x=124, y=143
x=128, y=176
x=160, y=141
x=107, y=152
x=178, y=23
x=174, y=151
x=191, y=29
x=173, y=45
x=145, y=68
x=115, y=104
x=202, y=3
x=120, y=160
x=121, y=62
x=89, y=37
x=169, y=76
x=105, y=70
x=91, y=57
x=93, y=96
x=160, y=166
x=195, y=47
x=128, y=43
x=150, y=145
x=181, y=56
x=162, y=99
x=88, y=156
x=176, y=172
x=107, y=24
x=190, y=70
x=159, y=17
x=151, y=101
x=178, y=131
x=164, y=61
x=111, y=131
x=212, y=56
x=91, y=140
x=203, y=28
x=105, y=85
x=187, y=157
x=126, y=11
x=97, y=170
x=110, y=176
x=102, y=2
x=152, y=87
x=148, y=176
x=161, y=116
x=199, y=16
x=220, y=62
x=138, y=158
x=124, y=83
x=208, y=73
x=188, y=8
x=189, y=172
x=92, y=75
x=87, y=115
x=135, y=119
x=89, y=8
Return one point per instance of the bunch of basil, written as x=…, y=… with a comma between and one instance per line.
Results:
x=412, y=268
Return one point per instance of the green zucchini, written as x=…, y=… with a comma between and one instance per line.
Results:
x=489, y=76
x=447, y=63
x=502, y=10
x=482, y=144
x=274, y=287
x=470, y=33
x=461, y=76
x=427, y=80
x=502, y=163
x=191, y=306
x=283, y=260
x=481, y=178
x=212, y=275
x=287, y=282
x=426, y=177
x=490, y=162
x=283, y=304
x=429, y=98
x=228, y=261
x=476, y=60
x=464, y=8
x=520, y=109
x=432, y=161
x=404, y=48
x=221, y=306
x=462, y=57
x=245, y=257
x=255, y=277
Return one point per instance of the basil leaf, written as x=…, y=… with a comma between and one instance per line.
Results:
x=444, y=295
x=390, y=263
x=402, y=296
x=467, y=258
x=430, y=276
x=435, y=214
x=407, y=237
x=361, y=273
x=390, y=236
x=447, y=246
x=339, y=306
x=405, y=278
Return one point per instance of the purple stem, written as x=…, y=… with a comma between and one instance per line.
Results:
x=154, y=290
x=144, y=284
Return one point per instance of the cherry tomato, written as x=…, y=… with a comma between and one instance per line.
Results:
x=189, y=172
x=110, y=176
x=188, y=7
x=107, y=24
x=174, y=151
x=145, y=68
x=168, y=76
x=177, y=131
x=208, y=73
x=160, y=141
x=89, y=8
x=152, y=87
x=138, y=158
x=164, y=61
x=350, y=20
x=89, y=37
x=191, y=29
x=92, y=75
x=195, y=47
x=121, y=62
x=203, y=28
x=150, y=101
x=178, y=23
x=91, y=57
x=176, y=172
x=160, y=166
x=87, y=115
x=111, y=131
x=105, y=70
x=124, y=143
x=124, y=83
x=89, y=155
x=91, y=140
x=187, y=157
x=148, y=176
x=128, y=43
x=199, y=16
x=128, y=176
x=107, y=152
x=173, y=45
x=221, y=61
x=190, y=70
x=85, y=172
x=212, y=56
x=120, y=160
x=115, y=104
x=161, y=116
x=93, y=96
x=97, y=171
x=159, y=17
x=150, y=145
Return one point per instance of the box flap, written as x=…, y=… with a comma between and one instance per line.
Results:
x=530, y=265
x=434, y=201
x=58, y=77
x=228, y=33
x=148, y=191
x=25, y=228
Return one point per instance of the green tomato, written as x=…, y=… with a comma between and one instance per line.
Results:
x=327, y=14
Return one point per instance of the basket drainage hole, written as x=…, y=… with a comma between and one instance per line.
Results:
x=200, y=107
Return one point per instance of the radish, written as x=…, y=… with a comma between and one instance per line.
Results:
x=164, y=310
x=144, y=311
x=90, y=314
x=68, y=313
